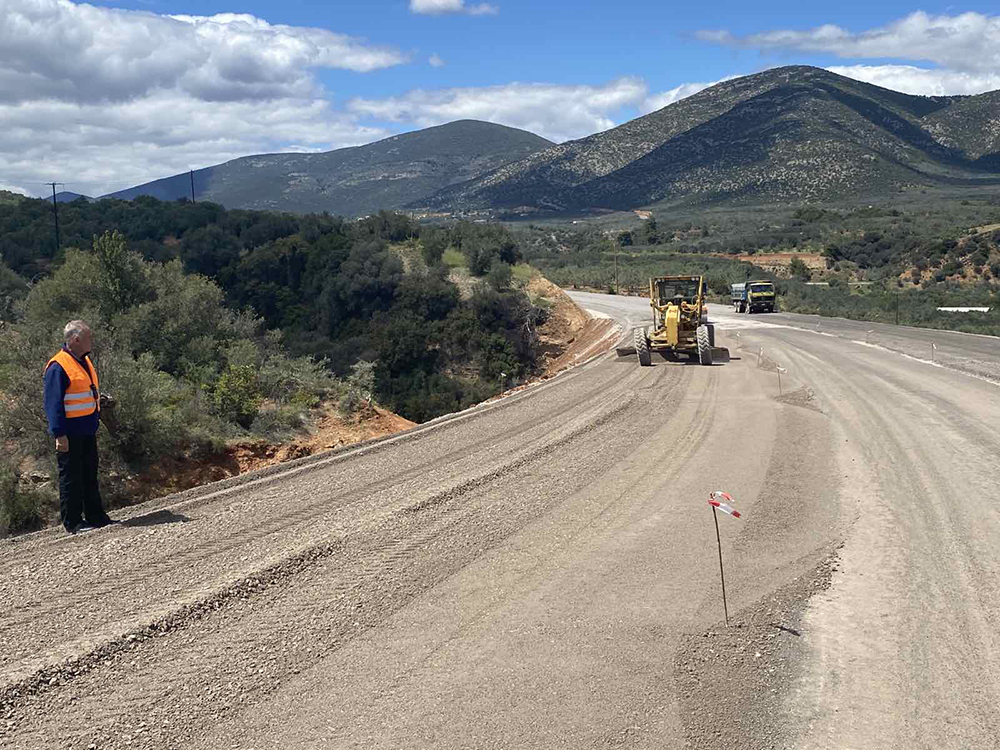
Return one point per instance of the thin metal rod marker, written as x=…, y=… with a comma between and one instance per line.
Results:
x=760, y=353
x=933, y=349
x=780, y=370
x=722, y=571
x=715, y=499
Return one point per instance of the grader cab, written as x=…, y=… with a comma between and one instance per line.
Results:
x=680, y=321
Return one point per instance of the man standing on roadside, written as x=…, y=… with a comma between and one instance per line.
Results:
x=72, y=405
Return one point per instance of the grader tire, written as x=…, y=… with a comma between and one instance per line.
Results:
x=704, y=346
x=711, y=334
x=641, y=347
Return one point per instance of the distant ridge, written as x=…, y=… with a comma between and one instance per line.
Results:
x=792, y=133
x=65, y=196
x=353, y=181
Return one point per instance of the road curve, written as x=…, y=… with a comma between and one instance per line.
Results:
x=543, y=573
x=902, y=649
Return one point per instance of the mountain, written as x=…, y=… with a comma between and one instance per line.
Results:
x=65, y=196
x=353, y=181
x=794, y=133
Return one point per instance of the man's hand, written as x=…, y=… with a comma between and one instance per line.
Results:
x=62, y=444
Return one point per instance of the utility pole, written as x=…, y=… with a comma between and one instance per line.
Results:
x=55, y=210
x=192, y=185
x=618, y=288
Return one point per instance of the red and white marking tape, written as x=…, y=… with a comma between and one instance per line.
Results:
x=722, y=500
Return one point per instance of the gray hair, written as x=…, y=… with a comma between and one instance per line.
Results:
x=73, y=329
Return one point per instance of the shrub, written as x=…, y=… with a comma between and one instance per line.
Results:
x=237, y=395
x=433, y=243
x=123, y=281
x=500, y=276
x=279, y=422
x=498, y=359
x=799, y=270
x=21, y=507
x=360, y=387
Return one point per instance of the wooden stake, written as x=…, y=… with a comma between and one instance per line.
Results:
x=722, y=573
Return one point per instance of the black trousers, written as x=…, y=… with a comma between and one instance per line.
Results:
x=79, y=493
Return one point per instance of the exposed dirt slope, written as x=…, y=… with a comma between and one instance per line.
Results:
x=570, y=335
x=331, y=430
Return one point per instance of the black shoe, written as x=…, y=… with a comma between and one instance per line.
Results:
x=82, y=527
x=105, y=522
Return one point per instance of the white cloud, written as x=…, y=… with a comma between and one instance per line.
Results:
x=129, y=143
x=439, y=7
x=435, y=61
x=55, y=48
x=969, y=42
x=13, y=189
x=103, y=99
x=913, y=80
x=556, y=112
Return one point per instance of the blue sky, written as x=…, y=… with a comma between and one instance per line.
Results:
x=106, y=95
x=563, y=42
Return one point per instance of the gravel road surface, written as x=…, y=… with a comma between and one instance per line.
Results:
x=543, y=572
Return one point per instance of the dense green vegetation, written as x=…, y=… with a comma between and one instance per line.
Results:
x=336, y=289
x=213, y=324
x=186, y=372
x=918, y=252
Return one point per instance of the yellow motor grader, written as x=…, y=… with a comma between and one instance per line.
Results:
x=680, y=320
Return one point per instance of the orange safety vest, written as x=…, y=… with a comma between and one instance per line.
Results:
x=82, y=397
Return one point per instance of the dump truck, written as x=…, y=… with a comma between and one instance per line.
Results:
x=680, y=321
x=753, y=296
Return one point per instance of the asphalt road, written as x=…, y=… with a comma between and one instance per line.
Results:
x=543, y=572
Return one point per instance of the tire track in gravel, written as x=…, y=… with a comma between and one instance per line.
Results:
x=70, y=598
x=924, y=555
x=733, y=679
x=351, y=501
x=310, y=464
x=381, y=567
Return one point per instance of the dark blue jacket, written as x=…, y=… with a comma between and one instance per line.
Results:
x=56, y=383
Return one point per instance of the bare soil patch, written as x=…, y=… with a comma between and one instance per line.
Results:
x=570, y=335
x=331, y=430
x=779, y=263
